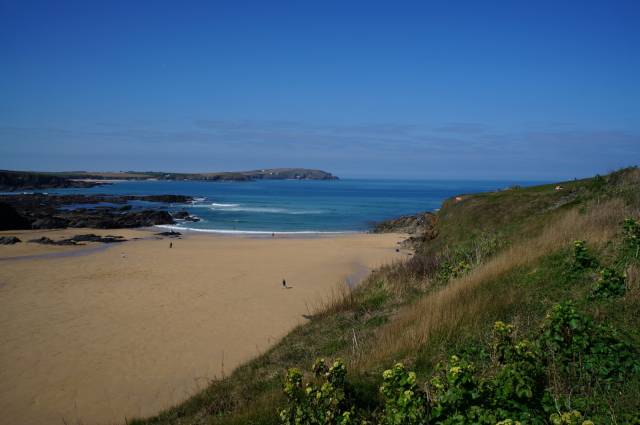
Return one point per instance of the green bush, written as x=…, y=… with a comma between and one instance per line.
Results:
x=582, y=353
x=582, y=258
x=324, y=403
x=502, y=341
x=631, y=238
x=529, y=380
x=404, y=403
x=569, y=418
x=611, y=283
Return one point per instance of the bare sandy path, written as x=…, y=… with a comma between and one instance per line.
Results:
x=138, y=327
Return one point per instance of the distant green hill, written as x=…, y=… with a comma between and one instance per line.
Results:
x=520, y=307
x=17, y=180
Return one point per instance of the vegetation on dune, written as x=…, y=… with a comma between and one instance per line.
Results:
x=523, y=309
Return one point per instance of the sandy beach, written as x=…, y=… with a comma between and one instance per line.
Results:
x=98, y=333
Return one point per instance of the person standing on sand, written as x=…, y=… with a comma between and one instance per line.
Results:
x=284, y=284
x=170, y=244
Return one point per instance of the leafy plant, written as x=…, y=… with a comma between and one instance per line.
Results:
x=325, y=403
x=502, y=341
x=569, y=418
x=554, y=372
x=611, y=283
x=581, y=355
x=582, y=258
x=458, y=395
x=404, y=403
x=631, y=237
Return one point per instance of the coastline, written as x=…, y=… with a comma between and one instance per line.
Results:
x=135, y=327
x=262, y=233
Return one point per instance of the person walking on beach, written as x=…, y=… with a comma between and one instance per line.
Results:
x=284, y=284
x=170, y=244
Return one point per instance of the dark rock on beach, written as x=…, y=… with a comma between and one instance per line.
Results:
x=110, y=219
x=170, y=234
x=47, y=241
x=180, y=215
x=40, y=211
x=421, y=227
x=168, y=199
x=184, y=215
x=95, y=238
x=79, y=238
x=9, y=240
x=416, y=224
x=50, y=222
x=10, y=219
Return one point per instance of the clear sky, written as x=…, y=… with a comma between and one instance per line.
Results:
x=427, y=89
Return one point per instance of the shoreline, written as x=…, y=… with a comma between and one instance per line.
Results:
x=130, y=330
x=302, y=233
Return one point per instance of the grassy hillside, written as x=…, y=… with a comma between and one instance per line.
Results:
x=505, y=257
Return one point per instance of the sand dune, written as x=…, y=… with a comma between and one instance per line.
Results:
x=96, y=335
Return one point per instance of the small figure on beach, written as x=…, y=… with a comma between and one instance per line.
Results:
x=273, y=235
x=170, y=245
x=284, y=284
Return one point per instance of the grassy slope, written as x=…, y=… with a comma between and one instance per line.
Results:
x=409, y=312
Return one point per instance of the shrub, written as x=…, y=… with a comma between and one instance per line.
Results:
x=404, y=403
x=582, y=258
x=324, y=404
x=582, y=353
x=502, y=341
x=631, y=237
x=559, y=369
x=569, y=418
x=565, y=332
x=610, y=284
x=519, y=384
x=457, y=395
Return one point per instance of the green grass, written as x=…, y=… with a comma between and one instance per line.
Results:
x=485, y=229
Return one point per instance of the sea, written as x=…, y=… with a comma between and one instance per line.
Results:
x=297, y=206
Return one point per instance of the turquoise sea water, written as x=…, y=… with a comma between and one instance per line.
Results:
x=299, y=205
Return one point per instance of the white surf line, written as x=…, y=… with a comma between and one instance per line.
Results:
x=256, y=232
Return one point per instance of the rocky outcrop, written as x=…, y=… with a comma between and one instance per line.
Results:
x=170, y=234
x=33, y=200
x=421, y=223
x=39, y=211
x=79, y=238
x=421, y=227
x=47, y=241
x=95, y=238
x=10, y=219
x=109, y=218
x=184, y=215
x=9, y=240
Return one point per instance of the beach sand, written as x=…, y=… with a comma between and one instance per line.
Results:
x=99, y=333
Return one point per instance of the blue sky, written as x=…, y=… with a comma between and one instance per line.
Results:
x=429, y=89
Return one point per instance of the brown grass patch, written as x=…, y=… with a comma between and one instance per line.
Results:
x=462, y=301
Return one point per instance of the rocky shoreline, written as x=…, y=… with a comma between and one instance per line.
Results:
x=421, y=227
x=40, y=211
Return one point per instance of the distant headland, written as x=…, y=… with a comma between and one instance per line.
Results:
x=20, y=180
